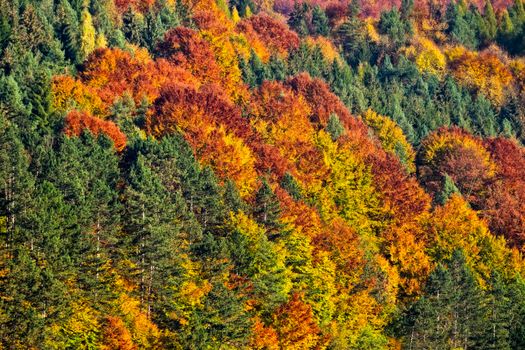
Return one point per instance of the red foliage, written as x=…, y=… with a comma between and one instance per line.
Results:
x=504, y=205
x=138, y=5
x=270, y=160
x=336, y=12
x=113, y=72
x=212, y=21
x=342, y=243
x=461, y=156
x=76, y=122
x=401, y=193
x=321, y=100
x=275, y=34
x=181, y=105
x=186, y=48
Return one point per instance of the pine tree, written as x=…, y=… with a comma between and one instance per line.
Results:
x=152, y=223
x=491, y=22
x=449, y=188
x=320, y=22
x=298, y=18
x=334, y=127
x=257, y=68
x=69, y=31
x=232, y=198
x=267, y=208
x=291, y=186
x=451, y=313
x=458, y=28
x=133, y=27
x=276, y=68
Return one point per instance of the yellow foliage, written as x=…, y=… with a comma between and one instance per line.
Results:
x=328, y=49
x=483, y=72
x=68, y=93
x=429, y=57
x=350, y=185
x=230, y=158
x=371, y=30
x=457, y=226
x=231, y=76
x=391, y=137
x=235, y=15
x=143, y=330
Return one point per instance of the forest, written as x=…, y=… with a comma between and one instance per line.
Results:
x=262, y=174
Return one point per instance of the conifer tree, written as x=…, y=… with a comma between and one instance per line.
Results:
x=267, y=208
x=320, y=22
x=334, y=127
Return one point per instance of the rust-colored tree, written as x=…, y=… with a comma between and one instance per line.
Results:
x=76, y=122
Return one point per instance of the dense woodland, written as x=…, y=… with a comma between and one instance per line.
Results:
x=204, y=174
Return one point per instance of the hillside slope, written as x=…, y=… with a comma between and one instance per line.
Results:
x=192, y=174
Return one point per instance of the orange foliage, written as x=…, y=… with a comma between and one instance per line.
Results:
x=328, y=49
x=263, y=338
x=281, y=118
x=295, y=325
x=76, y=122
x=402, y=196
x=270, y=160
x=112, y=72
x=484, y=72
x=185, y=48
x=212, y=125
x=138, y=5
x=181, y=107
x=116, y=335
x=303, y=217
x=321, y=100
x=461, y=156
x=275, y=34
x=342, y=243
x=68, y=93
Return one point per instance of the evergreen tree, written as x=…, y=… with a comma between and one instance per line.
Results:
x=459, y=29
x=451, y=312
x=291, y=186
x=152, y=223
x=69, y=31
x=320, y=22
x=298, y=19
x=267, y=208
x=334, y=127
x=232, y=198
x=449, y=188
x=491, y=23
x=133, y=27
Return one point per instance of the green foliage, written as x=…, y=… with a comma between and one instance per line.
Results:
x=334, y=127
x=449, y=188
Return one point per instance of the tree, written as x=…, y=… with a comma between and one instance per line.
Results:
x=152, y=220
x=299, y=20
x=451, y=313
x=334, y=127
x=320, y=22
x=290, y=185
x=449, y=188
x=267, y=208
x=458, y=28
x=87, y=34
